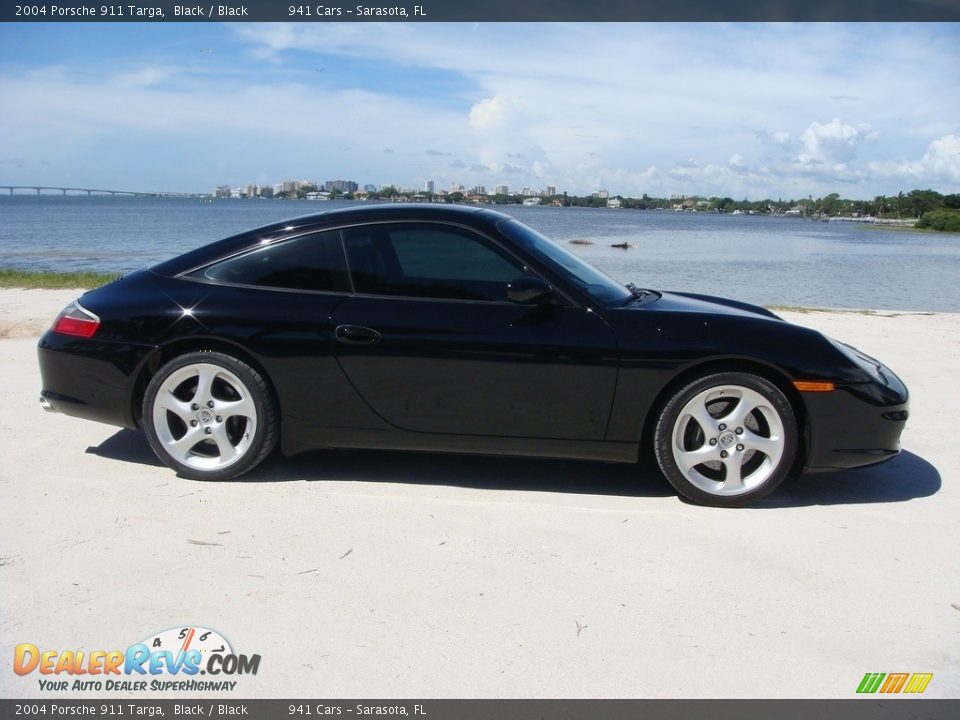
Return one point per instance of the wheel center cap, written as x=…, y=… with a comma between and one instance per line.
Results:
x=727, y=440
x=206, y=417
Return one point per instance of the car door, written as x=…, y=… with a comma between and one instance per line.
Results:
x=431, y=343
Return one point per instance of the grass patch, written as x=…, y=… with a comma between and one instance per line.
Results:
x=843, y=311
x=806, y=310
x=11, y=278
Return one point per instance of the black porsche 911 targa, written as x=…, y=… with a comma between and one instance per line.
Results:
x=460, y=330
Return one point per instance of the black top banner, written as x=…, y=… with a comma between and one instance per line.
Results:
x=484, y=11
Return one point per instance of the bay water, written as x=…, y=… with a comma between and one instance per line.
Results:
x=763, y=260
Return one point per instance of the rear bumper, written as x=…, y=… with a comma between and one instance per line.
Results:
x=90, y=379
x=857, y=425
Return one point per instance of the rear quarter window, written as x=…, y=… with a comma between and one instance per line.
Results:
x=312, y=262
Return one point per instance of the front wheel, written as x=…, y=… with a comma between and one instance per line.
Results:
x=209, y=416
x=726, y=439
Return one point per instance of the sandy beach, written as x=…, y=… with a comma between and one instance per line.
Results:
x=358, y=574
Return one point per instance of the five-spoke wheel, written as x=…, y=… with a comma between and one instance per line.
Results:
x=209, y=416
x=726, y=439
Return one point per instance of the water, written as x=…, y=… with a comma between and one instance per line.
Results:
x=769, y=261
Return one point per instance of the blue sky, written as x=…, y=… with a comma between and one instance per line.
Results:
x=743, y=110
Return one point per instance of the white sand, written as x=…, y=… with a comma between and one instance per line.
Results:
x=389, y=575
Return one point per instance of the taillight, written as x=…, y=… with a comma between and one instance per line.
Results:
x=76, y=320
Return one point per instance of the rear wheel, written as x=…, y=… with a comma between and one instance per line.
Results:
x=726, y=439
x=209, y=416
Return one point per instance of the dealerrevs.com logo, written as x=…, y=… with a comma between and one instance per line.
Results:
x=909, y=683
x=172, y=660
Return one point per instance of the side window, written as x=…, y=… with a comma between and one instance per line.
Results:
x=312, y=262
x=431, y=261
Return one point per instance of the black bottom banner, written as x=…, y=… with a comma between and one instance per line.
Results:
x=855, y=709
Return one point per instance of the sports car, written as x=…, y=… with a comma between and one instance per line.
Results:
x=458, y=330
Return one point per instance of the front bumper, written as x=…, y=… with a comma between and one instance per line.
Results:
x=856, y=425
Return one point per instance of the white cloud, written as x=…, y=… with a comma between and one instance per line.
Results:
x=774, y=137
x=737, y=163
x=942, y=158
x=940, y=165
x=834, y=143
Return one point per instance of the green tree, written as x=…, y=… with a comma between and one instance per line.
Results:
x=724, y=204
x=921, y=201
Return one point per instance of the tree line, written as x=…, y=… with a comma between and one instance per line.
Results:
x=929, y=208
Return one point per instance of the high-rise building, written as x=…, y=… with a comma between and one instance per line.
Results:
x=344, y=186
x=501, y=190
x=551, y=190
x=222, y=191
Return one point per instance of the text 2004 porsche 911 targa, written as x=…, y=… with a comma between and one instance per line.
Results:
x=458, y=330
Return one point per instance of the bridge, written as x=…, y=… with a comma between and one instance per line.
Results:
x=39, y=189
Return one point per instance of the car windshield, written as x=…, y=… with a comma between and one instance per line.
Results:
x=602, y=287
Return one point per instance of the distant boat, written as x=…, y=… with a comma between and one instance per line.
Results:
x=531, y=201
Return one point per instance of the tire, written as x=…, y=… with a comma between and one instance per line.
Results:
x=209, y=416
x=727, y=439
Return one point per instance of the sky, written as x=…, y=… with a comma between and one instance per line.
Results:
x=741, y=110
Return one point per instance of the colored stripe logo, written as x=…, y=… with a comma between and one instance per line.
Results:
x=912, y=683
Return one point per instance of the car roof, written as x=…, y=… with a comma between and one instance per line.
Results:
x=393, y=210
x=368, y=212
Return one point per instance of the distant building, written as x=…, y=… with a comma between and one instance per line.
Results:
x=602, y=194
x=370, y=188
x=266, y=192
x=551, y=190
x=288, y=186
x=614, y=202
x=251, y=191
x=428, y=186
x=344, y=186
x=222, y=191
x=478, y=190
x=501, y=190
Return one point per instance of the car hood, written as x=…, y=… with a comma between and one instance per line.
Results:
x=683, y=302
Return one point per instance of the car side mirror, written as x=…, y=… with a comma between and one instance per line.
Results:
x=528, y=290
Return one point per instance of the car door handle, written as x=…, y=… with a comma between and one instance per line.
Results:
x=356, y=335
